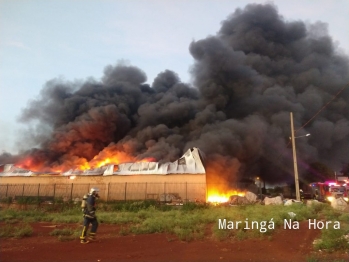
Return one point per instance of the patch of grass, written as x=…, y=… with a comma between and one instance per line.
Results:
x=317, y=207
x=27, y=200
x=344, y=217
x=65, y=234
x=62, y=232
x=6, y=200
x=318, y=258
x=6, y=231
x=188, y=234
x=23, y=215
x=118, y=217
x=187, y=222
x=19, y=231
x=333, y=240
x=220, y=234
x=132, y=206
x=312, y=259
x=183, y=234
x=152, y=225
x=190, y=206
x=66, y=238
x=240, y=234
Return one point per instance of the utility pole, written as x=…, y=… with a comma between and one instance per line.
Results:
x=296, y=180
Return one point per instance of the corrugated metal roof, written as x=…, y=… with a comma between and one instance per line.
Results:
x=189, y=163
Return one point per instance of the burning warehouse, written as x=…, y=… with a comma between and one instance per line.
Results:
x=169, y=179
x=247, y=79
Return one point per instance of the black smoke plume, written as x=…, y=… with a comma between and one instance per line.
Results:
x=247, y=79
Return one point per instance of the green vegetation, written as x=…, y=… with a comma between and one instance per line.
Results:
x=19, y=231
x=334, y=239
x=319, y=258
x=188, y=222
x=66, y=234
x=6, y=200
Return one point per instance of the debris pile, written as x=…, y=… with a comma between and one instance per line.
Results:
x=340, y=204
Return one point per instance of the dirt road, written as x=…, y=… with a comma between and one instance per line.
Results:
x=283, y=246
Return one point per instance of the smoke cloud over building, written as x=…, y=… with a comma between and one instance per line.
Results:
x=247, y=79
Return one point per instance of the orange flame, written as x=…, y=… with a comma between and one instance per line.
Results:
x=109, y=155
x=215, y=196
x=72, y=162
x=148, y=159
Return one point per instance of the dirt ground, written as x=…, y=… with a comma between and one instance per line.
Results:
x=283, y=246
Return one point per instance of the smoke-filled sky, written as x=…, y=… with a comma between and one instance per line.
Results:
x=223, y=78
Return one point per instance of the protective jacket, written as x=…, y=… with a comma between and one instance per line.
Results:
x=90, y=209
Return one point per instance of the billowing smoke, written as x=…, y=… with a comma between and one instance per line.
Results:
x=247, y=79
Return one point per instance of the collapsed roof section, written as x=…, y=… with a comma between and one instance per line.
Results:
x=190, y=163
x=12, y=170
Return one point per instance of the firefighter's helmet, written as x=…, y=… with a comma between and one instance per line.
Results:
x=94, y=190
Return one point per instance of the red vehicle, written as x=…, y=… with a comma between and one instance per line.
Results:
x=329, y=190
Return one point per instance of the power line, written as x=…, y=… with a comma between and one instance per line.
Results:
x=340, y=91
x=337, y=94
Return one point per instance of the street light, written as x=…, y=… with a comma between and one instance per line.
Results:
x=302, y=136
x=296, y=179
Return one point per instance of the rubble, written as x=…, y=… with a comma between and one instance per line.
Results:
x=238, y=200
x=273, y=200
x=251, y=197
x=339, y=204
x=290, y=202
x=171, y=197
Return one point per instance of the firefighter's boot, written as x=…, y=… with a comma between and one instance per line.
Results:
x=84, y=241
x=92, y=237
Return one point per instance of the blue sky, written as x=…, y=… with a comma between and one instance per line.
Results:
x=75, y=40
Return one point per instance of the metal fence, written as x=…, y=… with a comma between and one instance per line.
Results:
x=108, y=192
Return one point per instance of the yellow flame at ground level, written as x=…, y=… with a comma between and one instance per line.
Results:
x=217, y=197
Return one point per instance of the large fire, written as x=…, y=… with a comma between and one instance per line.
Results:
x=216, y=196
x=105, y=157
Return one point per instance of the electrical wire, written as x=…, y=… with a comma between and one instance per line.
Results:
x=321, y=109
x=340, y=91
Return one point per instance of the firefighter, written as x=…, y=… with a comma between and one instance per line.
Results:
x=316, y=196
x=89, y=210
x=301, y=194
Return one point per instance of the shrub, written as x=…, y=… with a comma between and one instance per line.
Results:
x=66, y=234
x=333, y=240
x=62, y=232
x=6, y=200
x=22, y=230
x=133, y=206
x=220, y=234
x=190, y=206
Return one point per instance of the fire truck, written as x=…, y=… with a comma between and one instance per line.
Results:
x=329, y=190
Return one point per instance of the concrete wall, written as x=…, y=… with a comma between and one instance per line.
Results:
x=187, y=186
